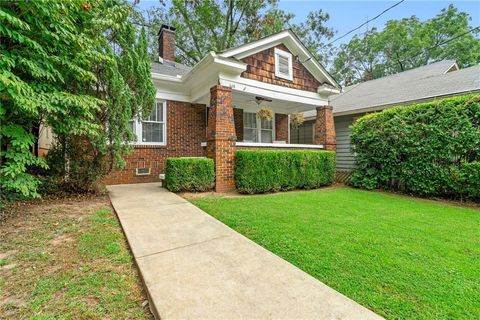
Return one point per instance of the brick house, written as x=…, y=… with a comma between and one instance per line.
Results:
x=210, y=110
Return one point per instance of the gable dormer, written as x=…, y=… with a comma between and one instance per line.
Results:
x=277, y=65
x=282, y=59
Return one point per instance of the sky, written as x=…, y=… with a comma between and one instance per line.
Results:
x=347, y=15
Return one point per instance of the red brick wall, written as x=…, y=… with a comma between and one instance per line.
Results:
x=261, y=67
x=186, y=128
x=238, y=118
x=281, y=127
x=166, y=44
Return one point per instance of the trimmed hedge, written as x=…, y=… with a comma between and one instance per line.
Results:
x=259, y=171
x=428, y=149
x=189, y=174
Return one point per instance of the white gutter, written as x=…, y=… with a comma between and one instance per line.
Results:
x=323, y=89
x=164, y=77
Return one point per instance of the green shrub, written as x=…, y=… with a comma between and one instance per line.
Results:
x=259, y=171
x=189, y=174
x=423, y=149
x=470, y=180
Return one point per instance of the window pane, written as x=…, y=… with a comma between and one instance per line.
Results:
x=152, y=132
x=250, y=135
x=249, y=120
x=157, y=113
x=160, y=111
x=266, y=124
x=283, y=65
x=267, y=136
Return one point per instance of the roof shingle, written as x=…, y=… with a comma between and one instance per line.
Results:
x=170, y=68
x=417, y=84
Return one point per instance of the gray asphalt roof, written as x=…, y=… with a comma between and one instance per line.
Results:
x=417, y=84
x=170, y=68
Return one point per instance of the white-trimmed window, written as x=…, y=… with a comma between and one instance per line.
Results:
x=283, y=64
x=250, y=127
x=256, y=129
x=153, y=129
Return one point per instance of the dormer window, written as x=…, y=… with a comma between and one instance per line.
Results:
x=283, y=64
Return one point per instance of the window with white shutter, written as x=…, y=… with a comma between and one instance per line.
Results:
x=283, y=64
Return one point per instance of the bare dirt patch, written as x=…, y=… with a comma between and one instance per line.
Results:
x=65, y=257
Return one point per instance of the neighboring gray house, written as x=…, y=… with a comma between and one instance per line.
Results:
x=433, y=81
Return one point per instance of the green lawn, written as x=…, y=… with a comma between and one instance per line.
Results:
x=402, y=257
x=68, y=259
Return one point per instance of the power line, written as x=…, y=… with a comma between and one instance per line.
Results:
x=366, y=22
x=442, y=43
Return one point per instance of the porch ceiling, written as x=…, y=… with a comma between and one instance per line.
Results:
x=248, y=102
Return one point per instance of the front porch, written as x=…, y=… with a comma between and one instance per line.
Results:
x=233, y=125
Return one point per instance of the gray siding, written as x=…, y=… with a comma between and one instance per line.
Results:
x=345, y=158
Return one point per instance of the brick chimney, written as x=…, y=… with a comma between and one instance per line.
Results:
x=166, y=42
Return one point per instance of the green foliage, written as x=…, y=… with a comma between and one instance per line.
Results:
x=217, y=25
x=269, y=171
x=77, y=68
x=470, y=179
x=405, y=44
x=429, y=149
x=189, y=174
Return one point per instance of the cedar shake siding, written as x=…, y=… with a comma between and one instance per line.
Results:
x=261, y=67
x=186, y=130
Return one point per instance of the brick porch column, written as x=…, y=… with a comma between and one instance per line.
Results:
x=281, y=127
x=325, y=128
x=221, y=137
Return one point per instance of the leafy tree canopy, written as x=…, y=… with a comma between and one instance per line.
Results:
x=217, y=25
x=408, y=43
x=77, y=67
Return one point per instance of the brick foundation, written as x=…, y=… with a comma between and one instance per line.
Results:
x=325, y=128
x=186, y=127
x=221, y=137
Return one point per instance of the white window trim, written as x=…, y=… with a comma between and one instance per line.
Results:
x=137, y=123
x=259, y=129
x=288, y=55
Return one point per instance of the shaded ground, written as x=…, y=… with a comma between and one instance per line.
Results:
x=402, y=257
x=67, y=258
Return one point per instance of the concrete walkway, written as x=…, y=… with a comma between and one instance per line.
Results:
x=195, y=267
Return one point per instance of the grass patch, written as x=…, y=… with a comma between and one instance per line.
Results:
x=402, y=257
x=4, y=262
x=68, y=261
